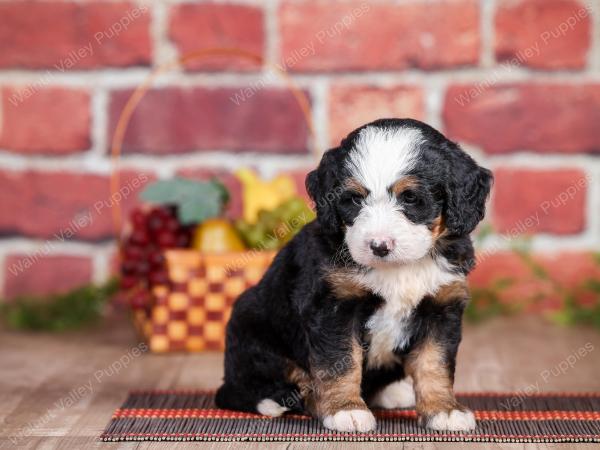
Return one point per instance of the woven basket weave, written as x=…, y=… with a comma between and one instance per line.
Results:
x=191, y=311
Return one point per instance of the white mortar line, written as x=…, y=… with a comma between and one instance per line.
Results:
x=132, y=77
x=593, y=206
x=168, y=2
x=153, y=163
x=541, y=243
x=434, y=92
x=487, y=32
x=594, y=50
x=163, y=50
x=541, y=161
x=31, y=246
x=271, y=31
x=99, y=126
x=236, y=2
x=320, y=116
x=555, y=243
x=86, y=162
x=101, y=263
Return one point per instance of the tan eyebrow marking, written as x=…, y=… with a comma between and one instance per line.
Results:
x=403, y=184
x=352, y=184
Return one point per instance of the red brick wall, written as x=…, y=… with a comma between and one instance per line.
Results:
x=516, y=81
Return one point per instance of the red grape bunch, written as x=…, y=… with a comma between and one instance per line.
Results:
x=143, y=262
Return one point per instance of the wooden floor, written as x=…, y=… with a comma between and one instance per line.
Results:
x=59, y=391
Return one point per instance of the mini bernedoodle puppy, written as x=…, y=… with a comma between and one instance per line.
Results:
x=363, y=308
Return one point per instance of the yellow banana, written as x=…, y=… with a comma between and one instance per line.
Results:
x=259, y=194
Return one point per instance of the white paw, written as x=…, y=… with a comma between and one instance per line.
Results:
x=457, y=420
x=361, y=420
x=399, y=394
x=268, y=407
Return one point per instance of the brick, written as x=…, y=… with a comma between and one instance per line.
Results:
x=544, y=118
x=492, y=267
x=68, y=36
x=539, y=201
x=385, y=35
x=174, y=120
x=543, y=34
x=351, y=106
x=40, y=274
x=34, y=122
x=63, y=205
x=196, y=27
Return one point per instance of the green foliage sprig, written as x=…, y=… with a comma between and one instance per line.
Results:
x=58, y=312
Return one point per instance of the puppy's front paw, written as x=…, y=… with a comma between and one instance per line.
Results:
x=455, y=420
x=361, y=420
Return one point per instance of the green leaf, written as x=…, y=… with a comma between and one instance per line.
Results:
x=199, y=209
x=222, y=189
x=165, y=191
x=195, y=200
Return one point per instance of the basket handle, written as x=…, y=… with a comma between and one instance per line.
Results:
x=140, y=92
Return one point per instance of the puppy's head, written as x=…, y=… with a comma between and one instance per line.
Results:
x=394, y=188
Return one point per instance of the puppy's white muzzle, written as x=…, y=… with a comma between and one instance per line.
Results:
x=381, y=234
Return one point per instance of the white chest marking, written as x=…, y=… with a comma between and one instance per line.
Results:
x=402, y=288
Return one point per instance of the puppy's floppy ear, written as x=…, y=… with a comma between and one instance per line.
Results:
x=467, y=188
x=323, y=185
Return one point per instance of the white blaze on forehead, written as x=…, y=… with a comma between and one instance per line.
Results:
x=381, y=155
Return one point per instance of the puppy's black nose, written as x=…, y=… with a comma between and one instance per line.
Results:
x=379, y=248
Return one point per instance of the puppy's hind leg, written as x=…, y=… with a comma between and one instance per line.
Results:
x=269, y=399
x=255, y=380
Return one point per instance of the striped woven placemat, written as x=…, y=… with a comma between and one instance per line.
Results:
x=501, y=417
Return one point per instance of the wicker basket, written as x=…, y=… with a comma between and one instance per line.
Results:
x=191, y=311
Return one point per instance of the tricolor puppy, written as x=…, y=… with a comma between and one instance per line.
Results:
x=363, y=307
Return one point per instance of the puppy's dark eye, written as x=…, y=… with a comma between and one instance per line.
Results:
x=409, y=197
x=352, y=198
